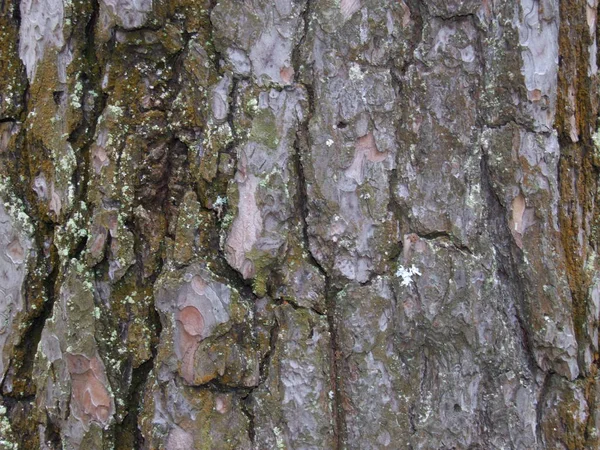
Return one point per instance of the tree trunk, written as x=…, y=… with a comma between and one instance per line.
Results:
x=334, y=224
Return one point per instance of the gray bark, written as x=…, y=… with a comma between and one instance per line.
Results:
x=303, y=224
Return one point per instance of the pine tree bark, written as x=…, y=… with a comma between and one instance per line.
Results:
x=302, y=224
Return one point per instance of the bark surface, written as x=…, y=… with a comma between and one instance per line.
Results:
x=299, y=224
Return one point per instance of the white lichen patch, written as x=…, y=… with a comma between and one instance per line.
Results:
x=407, y=274
x=355, y=73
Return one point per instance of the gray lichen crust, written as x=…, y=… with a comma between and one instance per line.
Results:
x=336, y=224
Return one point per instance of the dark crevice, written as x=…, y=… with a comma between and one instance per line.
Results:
x=445, y=236
x=22, y=369
x=52, y=436
x=128, y=430
x=518, y=122
x=297, y=60
x=301, y=143
x=512, y=284
x=265, y=363
x=396, y=212
x=339, y=413
x=507, y=255
x=296, y=307
x=79, y=248
x=221, y=267
x=216, y=386
x=233, y=99
x=217, y=56
x=412, y=418
x=301, y=147
x=247, y=410
x=539, y=407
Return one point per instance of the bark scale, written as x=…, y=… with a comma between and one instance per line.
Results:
x=298, y=224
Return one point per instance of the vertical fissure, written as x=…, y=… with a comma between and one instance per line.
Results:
x=507, y=263
x=301, y=146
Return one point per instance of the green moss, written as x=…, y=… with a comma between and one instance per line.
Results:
x=264, y=129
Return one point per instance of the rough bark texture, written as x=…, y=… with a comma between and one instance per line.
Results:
x=299, y=224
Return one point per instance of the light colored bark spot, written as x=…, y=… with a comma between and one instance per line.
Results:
x=41, y=27
x=534, y=95
x=538, y=36
x=573, y=128
x=517, y=225
x=269, y=55
x=406, y=17
x=45, y=191
x=199, y=285
x=99, y=158
x=287, y=75
x=98, y=241
x=15, y=251
x=90, y=399
x=246, y=228
x=40, y=186
x=55, y=202
x=591, y=14
x=366, y=150
x=222, y=404
x=191, y=326
x=7, y=130
x=220, y=99
x=192, y=321
x=349, y=7
x=179, y=439
x=128, y=13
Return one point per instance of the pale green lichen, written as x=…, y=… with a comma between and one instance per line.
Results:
x=14, y=207
x=6, y=434
x=596, y=141
x=278, y=438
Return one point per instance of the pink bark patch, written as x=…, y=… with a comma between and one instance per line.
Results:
x=349, y=7
x=405, y=14
x=190, y=327
x=55, y=202
x=287, y=75
x=366, y=150
x=222, y=404
x=246, y=228
x=535, y=95
x=89, y=396
x=517, y=222
x=98, y=241
x=199, y=285
x=99, y=158
x=179, y=439
x=192, y=321
x=15, y=251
